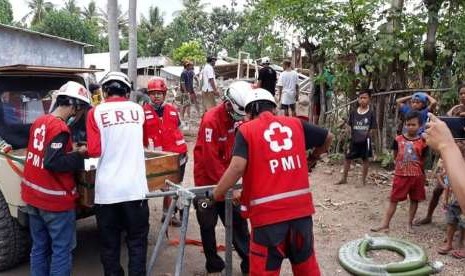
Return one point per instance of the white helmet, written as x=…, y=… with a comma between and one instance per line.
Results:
x=259, y=94
x=116, y=80
x=265, y=60
x=76, y=91
x=236, y=95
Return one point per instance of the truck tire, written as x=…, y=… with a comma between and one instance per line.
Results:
x=15, y=241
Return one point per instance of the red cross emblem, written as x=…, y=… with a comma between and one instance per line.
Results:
x=39, y=138
x=278, y=136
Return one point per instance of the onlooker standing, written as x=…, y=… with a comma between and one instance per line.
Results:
x=267, y=77
x=48, y=187
x=362, y=122
x=276, y=197
x=212, y=154
x=409, y=177
x=209, y=88
x=187, y=90
x=288, y=85
x=115, y=134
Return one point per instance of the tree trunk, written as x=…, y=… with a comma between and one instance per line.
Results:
x=429, y=52
x=113, y=35
x=132, y=62
x=322, y=96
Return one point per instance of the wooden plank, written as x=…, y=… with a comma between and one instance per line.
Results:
x=159, y=166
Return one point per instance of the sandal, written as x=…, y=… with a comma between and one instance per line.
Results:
x=444, y=251
x=458, y=254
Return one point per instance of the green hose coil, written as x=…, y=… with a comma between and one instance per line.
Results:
x=353, y=258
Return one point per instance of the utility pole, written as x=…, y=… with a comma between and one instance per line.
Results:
x=113, y=34
x=132, y=62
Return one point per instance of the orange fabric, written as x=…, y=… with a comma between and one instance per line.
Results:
x=175, y=242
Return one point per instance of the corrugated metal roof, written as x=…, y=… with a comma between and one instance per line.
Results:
x=177, y=70
x=44, y=35
x=47, y=69
x=144, y=62
x=101, y=61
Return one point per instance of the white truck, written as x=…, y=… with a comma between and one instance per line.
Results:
x=25, y=93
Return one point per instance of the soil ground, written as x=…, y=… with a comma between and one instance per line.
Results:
x=343, y=213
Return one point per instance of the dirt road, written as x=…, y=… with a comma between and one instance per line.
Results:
x=343, y=213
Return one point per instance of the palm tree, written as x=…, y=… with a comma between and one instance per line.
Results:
x=154, y=21
x=122, y=19
x=190, y=6
x=113, y=37
x=39, y=9
x=90, y=12
x=71, y=7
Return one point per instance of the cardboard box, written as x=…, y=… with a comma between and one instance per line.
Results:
x=158, y=165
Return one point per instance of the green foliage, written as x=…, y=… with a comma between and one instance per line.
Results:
x=387, y=160
x=71, y=7
x=6, y=12
x=189, y=24
x=64, y=24
x=38, y=11
x=151, y=34
x=189, y=51
x=336, y=157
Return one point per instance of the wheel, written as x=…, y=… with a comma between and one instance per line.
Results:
x=15, y=241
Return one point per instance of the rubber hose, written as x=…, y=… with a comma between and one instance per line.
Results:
x=353, y=257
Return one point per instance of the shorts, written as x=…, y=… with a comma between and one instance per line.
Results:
x=287, y=106
x=361, y=150
x=453, y=215
x=411, y=186
x=293, y=239
x=208, y=100
x=185, y=99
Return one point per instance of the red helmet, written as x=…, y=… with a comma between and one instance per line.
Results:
x=157, y=84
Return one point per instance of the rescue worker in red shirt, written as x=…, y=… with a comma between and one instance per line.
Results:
x=270, y=156
x=212, y=154
x=162, y=131
x=48, y=186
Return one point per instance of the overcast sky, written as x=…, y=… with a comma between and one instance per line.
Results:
x=20, y=8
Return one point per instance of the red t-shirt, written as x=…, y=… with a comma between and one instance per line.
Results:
x=410, y=156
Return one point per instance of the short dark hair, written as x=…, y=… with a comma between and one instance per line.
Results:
x=115, y=87
x=412, y=115
x=211, y=58
x=94, y=86
x=365, y=91
x=287, y=63
x=462, y=85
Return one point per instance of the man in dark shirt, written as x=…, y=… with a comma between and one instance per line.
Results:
x=187, y=90
x=267, y=77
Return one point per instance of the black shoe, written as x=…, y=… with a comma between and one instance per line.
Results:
x=175, y=222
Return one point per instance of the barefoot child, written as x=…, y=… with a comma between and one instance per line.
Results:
x=362, y=122
x=453, y=218
x=409, y=178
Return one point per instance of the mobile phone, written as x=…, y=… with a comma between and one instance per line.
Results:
x=456, y=126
